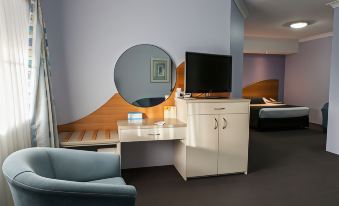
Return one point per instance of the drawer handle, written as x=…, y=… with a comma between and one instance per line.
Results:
x=157, y=134
x=216, y=123
x=221, y=108
x=225, y=123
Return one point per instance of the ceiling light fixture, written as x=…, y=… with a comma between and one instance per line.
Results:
x=299, y=25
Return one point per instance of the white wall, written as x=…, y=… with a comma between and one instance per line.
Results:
x=307, y=76
x=333, y=129
x=87, y=37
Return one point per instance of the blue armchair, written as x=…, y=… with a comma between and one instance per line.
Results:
x=61, y=177
x=324, y=111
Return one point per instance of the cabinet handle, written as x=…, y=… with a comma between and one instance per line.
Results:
x=216, y=123
x=221, y=108
x=225, y=123
x=157, y=134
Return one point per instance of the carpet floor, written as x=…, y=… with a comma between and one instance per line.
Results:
x=286, y=168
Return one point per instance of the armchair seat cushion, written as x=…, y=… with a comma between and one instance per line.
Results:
x=110, y=181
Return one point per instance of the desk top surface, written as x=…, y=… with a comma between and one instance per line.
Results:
x=223, y=100
x=149, y=123
x=109, y=137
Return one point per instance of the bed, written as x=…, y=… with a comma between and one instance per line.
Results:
x=278, y=116
x=268, y=114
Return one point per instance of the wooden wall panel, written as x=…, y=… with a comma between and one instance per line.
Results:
x=116, y=108
x=266, y=88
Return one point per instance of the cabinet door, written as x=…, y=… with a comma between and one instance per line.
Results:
x=202, y=145
x=233, y=143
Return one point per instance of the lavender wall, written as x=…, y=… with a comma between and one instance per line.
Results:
x=237, y=49
x=307, y=76
x=87, y=37
x=258, y=67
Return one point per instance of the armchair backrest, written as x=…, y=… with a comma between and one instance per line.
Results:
x=63, y=164
x=83, y=166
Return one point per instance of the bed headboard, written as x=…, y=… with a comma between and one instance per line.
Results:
x=267, y=88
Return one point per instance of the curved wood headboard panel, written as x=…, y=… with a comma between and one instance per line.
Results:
x=116, y=108
x=266, y=88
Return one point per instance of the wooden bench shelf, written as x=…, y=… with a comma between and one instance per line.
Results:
x=88, y=138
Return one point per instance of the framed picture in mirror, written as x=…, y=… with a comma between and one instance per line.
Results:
x=160, y=70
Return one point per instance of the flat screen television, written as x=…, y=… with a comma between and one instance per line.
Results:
x=207, y=73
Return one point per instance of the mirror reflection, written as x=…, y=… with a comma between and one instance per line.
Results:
x=145, y=75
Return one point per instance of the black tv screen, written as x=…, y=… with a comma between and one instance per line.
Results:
x=206, y=73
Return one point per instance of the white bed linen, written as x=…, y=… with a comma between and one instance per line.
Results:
x=284, y=112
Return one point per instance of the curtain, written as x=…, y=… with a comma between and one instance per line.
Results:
x=43, y=118
x=14, y=111
x=27, y=114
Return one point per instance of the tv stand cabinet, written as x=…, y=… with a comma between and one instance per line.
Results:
x=217, y=137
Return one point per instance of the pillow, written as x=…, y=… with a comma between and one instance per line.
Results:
x=257, y=100
x=266, y=100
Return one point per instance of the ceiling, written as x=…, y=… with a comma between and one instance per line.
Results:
x=266, y=18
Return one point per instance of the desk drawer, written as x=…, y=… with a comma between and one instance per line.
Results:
x=135, y=135
x=218, y=108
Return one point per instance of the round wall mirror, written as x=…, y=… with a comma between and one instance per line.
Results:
x=145, y=75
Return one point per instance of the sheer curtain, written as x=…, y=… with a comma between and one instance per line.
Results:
x=43, y=118
x=14, y=116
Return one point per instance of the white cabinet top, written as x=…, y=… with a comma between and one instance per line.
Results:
x=226, y=100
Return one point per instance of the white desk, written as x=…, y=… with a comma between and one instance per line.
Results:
x=146, y=130
x=143, y=142
x=128, y=132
